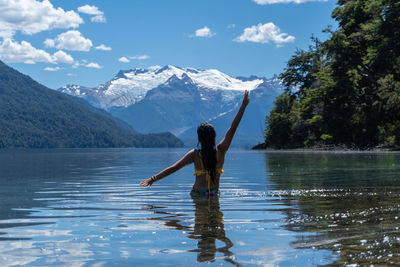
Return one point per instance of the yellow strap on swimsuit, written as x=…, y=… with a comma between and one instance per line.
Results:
x=208, y=177
x=201, y=172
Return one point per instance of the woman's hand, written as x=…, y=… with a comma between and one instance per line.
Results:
x=246, y=99
x=146, y=182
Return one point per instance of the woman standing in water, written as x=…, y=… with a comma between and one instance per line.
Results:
x=209, y=160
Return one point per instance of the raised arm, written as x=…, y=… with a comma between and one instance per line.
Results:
x=226, y=142
x=185, y=160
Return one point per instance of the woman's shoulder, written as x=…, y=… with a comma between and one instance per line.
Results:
x=195, y=152
x=191, y=154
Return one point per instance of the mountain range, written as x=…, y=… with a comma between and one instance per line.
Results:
x=174, y=99
x=34, y=116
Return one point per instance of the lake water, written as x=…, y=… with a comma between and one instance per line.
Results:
x=86, y=208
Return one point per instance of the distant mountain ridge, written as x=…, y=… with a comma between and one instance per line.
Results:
x=33, y=116
x=130, y=86
x=177, y=99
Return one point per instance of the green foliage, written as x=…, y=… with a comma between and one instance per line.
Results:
x=302, y=68
x=33, y=116
x=347, y=88
x=326, y=137
x=279, y=132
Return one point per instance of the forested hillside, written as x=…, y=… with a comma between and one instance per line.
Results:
x=346, y=90
x=34, y=116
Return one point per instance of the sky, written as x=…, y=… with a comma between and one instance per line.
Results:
x=87, y=42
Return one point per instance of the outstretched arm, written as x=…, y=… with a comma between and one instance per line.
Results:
x=187, y=159
x=226, y=142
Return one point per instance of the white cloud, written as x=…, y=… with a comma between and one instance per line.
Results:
x=49, y=43
x=98, y=18
x=204, y=32
x=62, y=57
x=268, y=2
x=103, y=47
x=77, y=64
x=52, y=69
x=231, y=26
x=93, y=65
x=93, y=10
x=70, y=40
x=14, y=52
x=31, y=16
x=265, y=33
x=124, y=60
x=139, y=57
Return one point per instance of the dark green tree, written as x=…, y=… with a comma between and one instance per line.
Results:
x=348, y=87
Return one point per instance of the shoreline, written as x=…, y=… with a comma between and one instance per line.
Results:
x=316, y=151
x=327, y=149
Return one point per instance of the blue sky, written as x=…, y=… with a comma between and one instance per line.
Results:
x=60, y=42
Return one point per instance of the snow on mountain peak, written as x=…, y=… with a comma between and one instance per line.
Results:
x=137, y=82
x=154, y=68
x=131, y=86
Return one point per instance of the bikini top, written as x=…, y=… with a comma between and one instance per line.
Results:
x=201, y=172
x=208, y=177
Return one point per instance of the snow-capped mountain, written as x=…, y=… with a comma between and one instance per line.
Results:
x=170, y=98
x=130, y=86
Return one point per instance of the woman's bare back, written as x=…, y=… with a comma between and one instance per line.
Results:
x=201, y=182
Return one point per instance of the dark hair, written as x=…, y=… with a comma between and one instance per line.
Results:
x=206, y=135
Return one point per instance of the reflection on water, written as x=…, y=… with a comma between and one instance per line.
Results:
x=84, y=207
x=208, y=229
x=348, y=203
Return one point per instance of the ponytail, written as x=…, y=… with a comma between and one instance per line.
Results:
x=206, y=135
